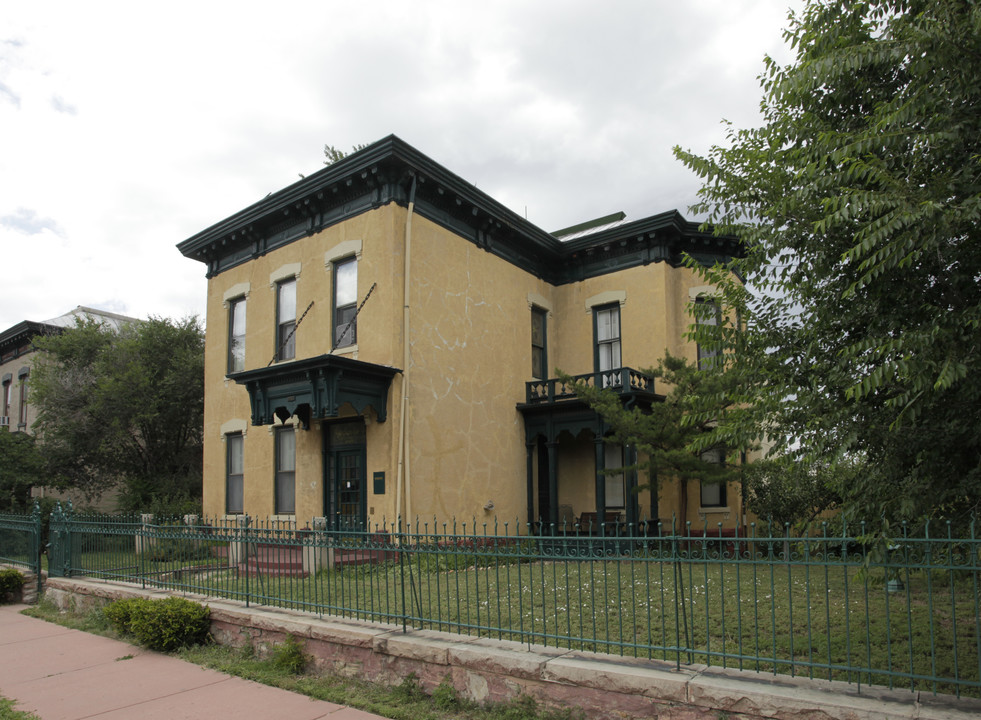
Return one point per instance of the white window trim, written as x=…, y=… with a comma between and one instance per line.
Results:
x=539, y=302
x=284, y=272
x=705, y=292
x=609, y=297
x=236, y=291
x=235, y=425
x=342, y=251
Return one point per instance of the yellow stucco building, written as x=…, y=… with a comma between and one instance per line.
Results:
x=382, y=338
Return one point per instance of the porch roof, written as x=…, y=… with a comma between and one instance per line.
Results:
x=315, y=388
x=552, y=406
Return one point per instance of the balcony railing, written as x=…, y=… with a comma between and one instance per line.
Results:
x=621, y=380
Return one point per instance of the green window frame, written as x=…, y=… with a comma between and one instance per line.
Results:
x=234, y=474
x=539, y=344
x=236, y=335
x=345, y=302
x=707, y=314
x=606, y=338
x=713, y=494
x=285, y=483
x=286, y=319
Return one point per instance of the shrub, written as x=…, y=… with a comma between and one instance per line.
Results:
x=289, y=657
x=10, y=582
x=165, y=625
x=120, y=613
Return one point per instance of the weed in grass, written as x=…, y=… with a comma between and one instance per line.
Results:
x=410, y=688
x=7, y=711
x=288, y=657
x=445, y=696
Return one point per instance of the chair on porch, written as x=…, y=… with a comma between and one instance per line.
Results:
x=589, y=522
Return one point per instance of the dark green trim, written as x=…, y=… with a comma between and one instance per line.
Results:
x=596, y=341
x=315, y=388
x=279, y=431
x=383, y=173
x=598, y=222
x=543, y=314
x=232, y=304
x=22, y=334
x=351, y=337
x=332, y=486
x=228, y=474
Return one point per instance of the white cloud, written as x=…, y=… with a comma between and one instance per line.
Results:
x=129, y=127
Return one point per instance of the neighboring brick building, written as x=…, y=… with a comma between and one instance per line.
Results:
x=17, y=355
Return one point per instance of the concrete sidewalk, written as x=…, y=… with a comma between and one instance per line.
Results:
x=63, y=674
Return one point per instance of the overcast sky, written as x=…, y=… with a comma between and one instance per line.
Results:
x=127, y=127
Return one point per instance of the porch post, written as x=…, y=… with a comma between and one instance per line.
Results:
x=553, y=483
x=600, y=482
x=631, y=499
x=530, y=484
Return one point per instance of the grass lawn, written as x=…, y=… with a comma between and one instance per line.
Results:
x=827, y=619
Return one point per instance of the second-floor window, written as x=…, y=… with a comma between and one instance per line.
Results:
x=345, y=302
x=607, y=322
x=539, y=345
x=6, y=399
x=236, y=335
x=707, y=314
x=22, y=422
x=286, y=319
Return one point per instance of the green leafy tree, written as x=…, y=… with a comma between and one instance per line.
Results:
x=859, y=199
x=676, y=438
x=123, y=407
x=333, y=154
x=791, y=493
x=21, y=468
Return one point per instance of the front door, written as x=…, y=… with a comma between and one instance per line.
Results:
x=350, y=488
x=344, y=496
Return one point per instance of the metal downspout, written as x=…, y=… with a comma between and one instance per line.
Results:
x=403, y=465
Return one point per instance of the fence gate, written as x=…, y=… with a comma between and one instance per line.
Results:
x=60, y=543
x=20, y=540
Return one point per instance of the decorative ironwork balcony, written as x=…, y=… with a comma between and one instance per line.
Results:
x=624, y=381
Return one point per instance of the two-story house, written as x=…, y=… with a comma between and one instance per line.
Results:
x=382, y=338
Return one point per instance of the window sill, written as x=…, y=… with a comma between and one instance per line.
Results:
x=714, y=509
x=347, y=350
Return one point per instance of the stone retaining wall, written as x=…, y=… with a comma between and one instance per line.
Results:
x=606, y=687
x=28, y=593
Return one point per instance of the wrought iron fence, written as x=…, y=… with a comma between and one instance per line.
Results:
x=20, y=540
x=827, y=606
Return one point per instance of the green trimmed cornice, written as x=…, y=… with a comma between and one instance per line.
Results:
x=382, y=173
x=315, y=388
x=23, y=334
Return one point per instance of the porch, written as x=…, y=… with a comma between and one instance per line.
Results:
x=576, y=482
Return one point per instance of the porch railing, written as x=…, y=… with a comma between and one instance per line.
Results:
x=622, y=380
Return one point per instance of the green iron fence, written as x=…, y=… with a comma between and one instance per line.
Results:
x=20, y=540
x=825, y=606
